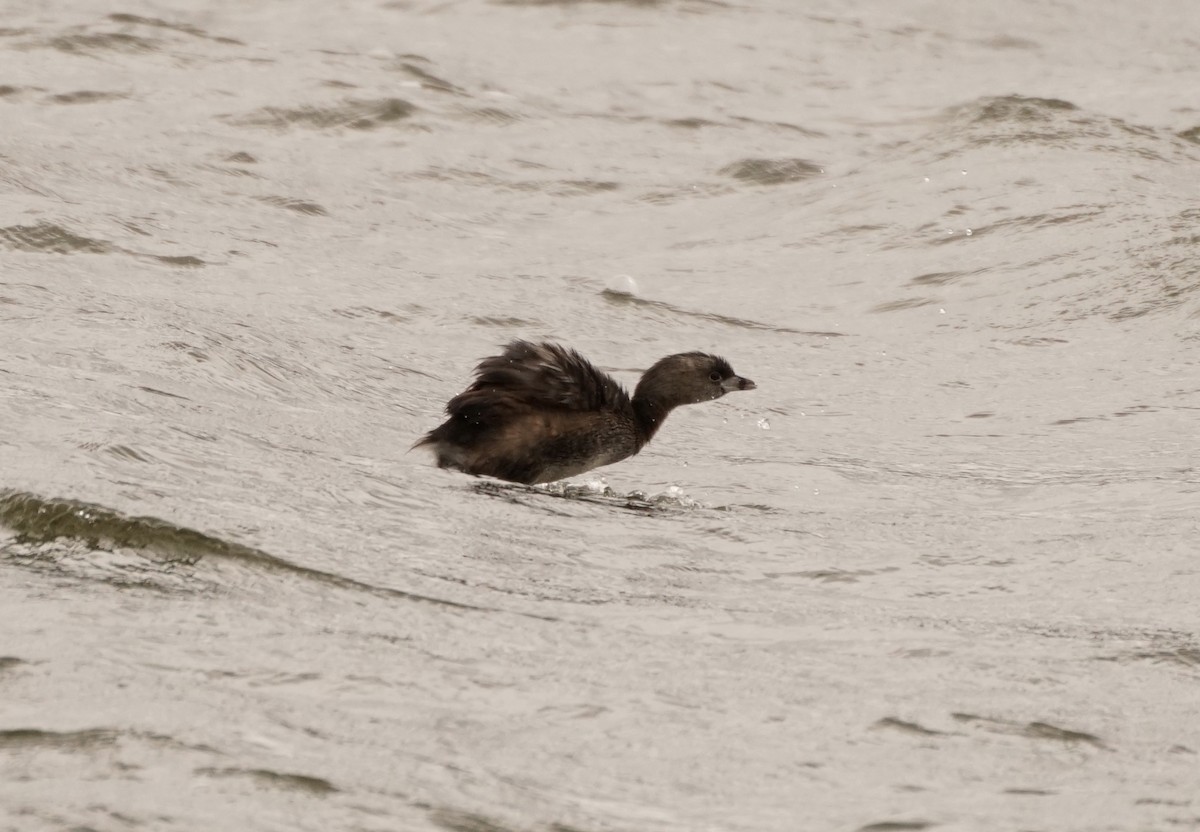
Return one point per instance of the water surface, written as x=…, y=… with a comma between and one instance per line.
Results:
x=937, y=571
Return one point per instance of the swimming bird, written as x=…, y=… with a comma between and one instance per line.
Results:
x=542, y=412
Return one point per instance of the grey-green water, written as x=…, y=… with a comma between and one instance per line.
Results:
x=939, y=571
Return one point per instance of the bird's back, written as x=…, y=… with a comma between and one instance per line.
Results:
x=536, y=413
x=541, y=375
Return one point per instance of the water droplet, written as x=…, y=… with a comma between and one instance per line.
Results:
x=623, y=284
x=968, y=232
x=764, y=424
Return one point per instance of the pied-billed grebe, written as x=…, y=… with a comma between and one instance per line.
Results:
x=542, y=412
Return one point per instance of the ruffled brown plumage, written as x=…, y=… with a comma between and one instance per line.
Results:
x=542, y=412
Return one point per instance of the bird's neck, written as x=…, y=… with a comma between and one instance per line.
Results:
x=649, y=412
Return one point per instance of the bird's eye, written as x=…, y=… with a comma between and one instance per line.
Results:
x=714, y=376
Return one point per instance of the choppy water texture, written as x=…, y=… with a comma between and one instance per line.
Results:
x=939, y=571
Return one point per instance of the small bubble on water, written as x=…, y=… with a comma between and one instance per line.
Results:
x=623, y=284
x=969, y=232
x=763, y=424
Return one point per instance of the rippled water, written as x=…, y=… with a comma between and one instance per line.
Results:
x=938, y=571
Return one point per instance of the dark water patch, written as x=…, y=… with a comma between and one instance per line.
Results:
x=1135, y=410
x=1047, y=122
x=241, y=157
x=1184, y=656
x=245, y=173
x=1132, y=410
x=1017, y=108
x=1163, y=277
x=1036, y=341
x=781, y=125
x=827, y=576
x=771, y=171
x=37, y=739
x=1009, y=42
x=185, y=261
x=904, y=726
x=429, y=81
x=167, y=176
x=459, y=821
x=493, y=115
x=905, y=303
x=896, y=826
x=1077, y=420
x=134, y=227
x=157, y=392
x=691, y=123
x=1021, y=225
x=581, y=187
x=353, y=114
x=121, y=452
x=1029, y=792
x=85, y=43
x=1046, y=731
x=466, y=177
x=847, y=231
x=300, y=206
x=185, y=28
x=941, y=278
x=555, y=187
x=38, y=521
x=275, y=779
x=46, y=237
x=191, y=351
x=7, y=90
x=618, y=297
x=86, y=97
x=1192, y=134
x=667, y=197
x=504, y=323
x=367, y=311
x=9, y=662
x=1032, y=730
